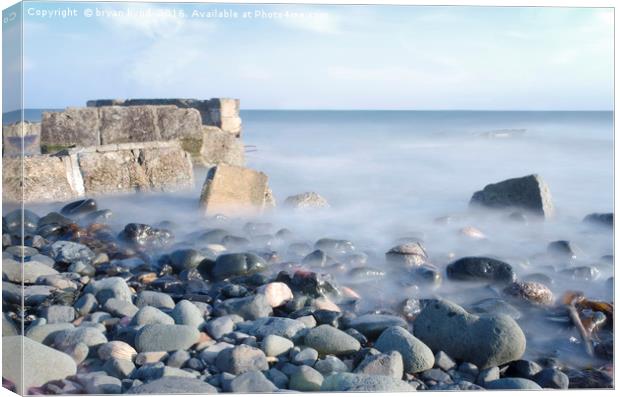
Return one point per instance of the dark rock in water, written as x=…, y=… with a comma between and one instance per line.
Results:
x=486, y=341
x=551, y=378
x=235, y=242
x=284, y=234
x=589, y=379
x=230, y=265
x=518, y=217
x=174, y=385
x=512, y=384
x=606, y=219
x=335, y=247
x=530, y=292
x=538, y=278
x=481, y=269
x=145, y=236
x=71, y=253
x=316, y=258
x=79, y=207
x=13, y=222
x=529, y=193
x=523, y=369
x=563, y=249
x=185, y=259
x=308, y=283
x=372, y=325
x=426, y=275
x=327, y=317
x=100, y=216
x=240, y=359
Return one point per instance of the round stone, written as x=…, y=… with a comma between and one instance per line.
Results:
x=416, y=356
x=329, y=340
x=165, y=337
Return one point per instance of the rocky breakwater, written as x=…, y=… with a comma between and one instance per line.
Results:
x=222, y=113
x=18, y=134
x=92, y=126
x=131, y=167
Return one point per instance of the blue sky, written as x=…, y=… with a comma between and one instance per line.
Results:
x=334, y=57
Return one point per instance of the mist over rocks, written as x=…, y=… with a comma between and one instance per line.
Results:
x=529, y=193
x=306, y=201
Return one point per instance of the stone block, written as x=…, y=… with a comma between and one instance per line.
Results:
x=234, y=191
x=73, y=126
x=221, y=147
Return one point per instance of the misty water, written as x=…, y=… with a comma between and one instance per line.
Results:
x=389, y=175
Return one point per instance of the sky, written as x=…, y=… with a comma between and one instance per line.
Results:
x=320, y=57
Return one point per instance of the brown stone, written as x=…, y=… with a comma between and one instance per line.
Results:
x=219, y=146
x=234, y=191
x=73, y=126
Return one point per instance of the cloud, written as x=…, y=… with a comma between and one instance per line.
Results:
x=312, y=21
x=145, y=19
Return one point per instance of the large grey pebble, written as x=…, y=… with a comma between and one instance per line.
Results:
x=157, y=299
x=220, y=326
x=71, y=253
x=103, y=384
x=416, y=355
x=120, y=307
x=486, y=341
x=151, y=315
x=330, y=364
x=111, y=287
x=241, y=359
x=345, y=381
x=252, y=382
x=37, y=358
x=85, y=304
x=186, y=313
x=165, y=337
x=274, y=345
x=90, y=336
x=512, y=384
x=329, y=340
x=280, y=326
x=372, y=325
x=12, y=271
x=250, y=307
x=45, y=333
x=174, y=385
x=55, y=314
x=388, y=364
x=306, y=379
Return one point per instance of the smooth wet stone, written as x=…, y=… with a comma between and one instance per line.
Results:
x=329, y=340
x=120, y=308
x=316, y=258
x=349, y=382
x=45, y=333
x=156, y=299
x=230, y=265
x=185, y=259
x=164, y=337
x=276, y=293
x=178, y=359
x=387, y=364
x=209, y=354
x=415, y=354
x=306, y=356
x=551, y=378
x=36, y=363
x=186, y=313
x=280, y=326
x=486, y=341
x=99, y=216
x=66, y=339
x=408, y=255
x=563, y=249
x=240, y=359
x=274, y=345
x=306, y=379
x=582, y=273
x=80, y=207
x=512, y=384
x=151, y=315
x=220, y=326
x=250, y=308
x=58, y=314
x=119, y=368
x=174, y=385
x=71, y=253
x=495, y=306
x=372, y=325
x=335, y=246
x=530, y=292
x=145, y=236
x=111, y=287
x=481, y=269
x=601, y=219
x=12, y=271
x=14, y=222
x=252, y=382
x=435, y=375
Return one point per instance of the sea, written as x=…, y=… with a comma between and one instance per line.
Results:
x=394, y=174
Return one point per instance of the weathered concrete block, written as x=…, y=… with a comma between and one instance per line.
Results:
x=108, y=169
x=234, y=191
x=45, y=178
x=152, y=166
x=119, y=124
x=73, y=126
x=13, y=134
x=221, y=147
